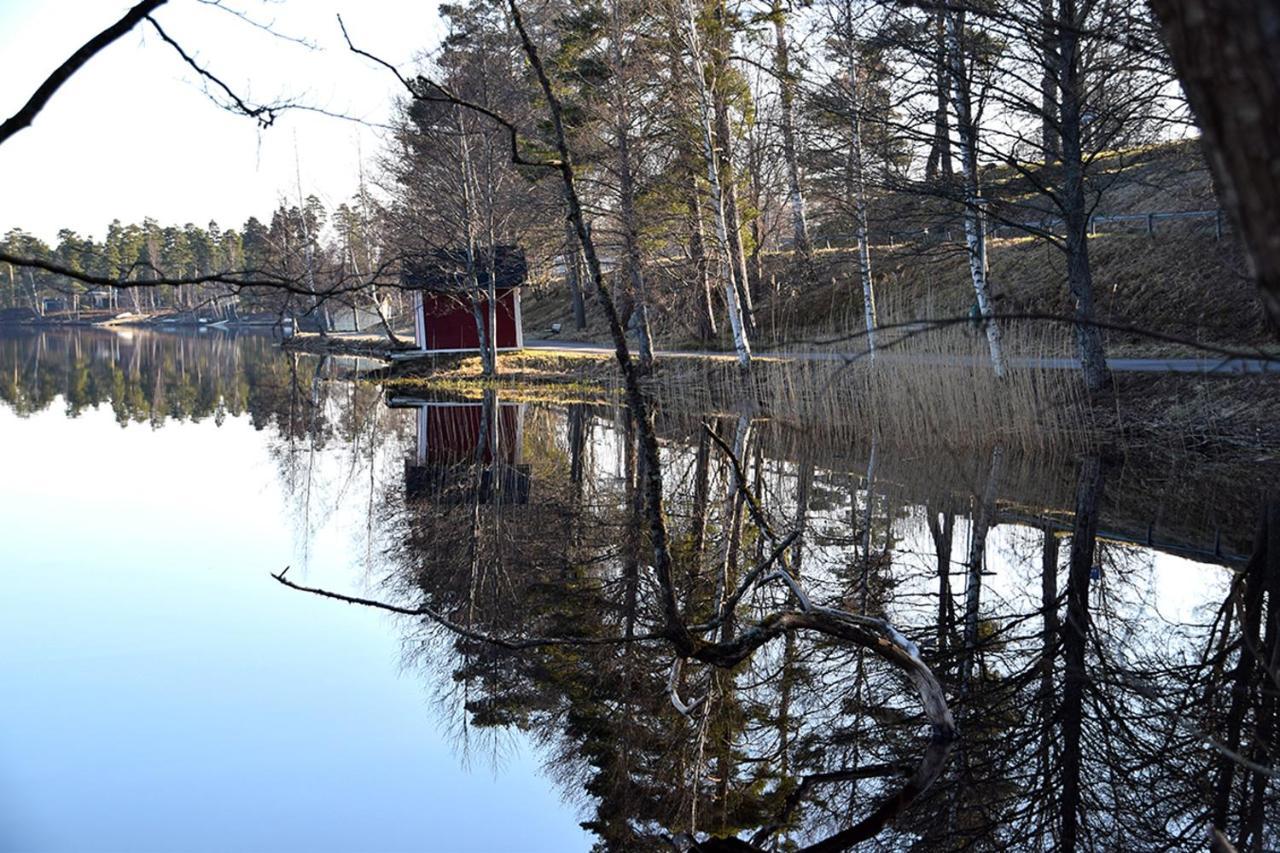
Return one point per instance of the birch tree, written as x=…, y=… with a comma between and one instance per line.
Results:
x=855, y=174
x=698, y=74
x=967, y=127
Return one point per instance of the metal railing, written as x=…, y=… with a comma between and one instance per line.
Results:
x=1147, y=219
x=955, y=232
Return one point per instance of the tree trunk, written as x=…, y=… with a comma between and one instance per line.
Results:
x=1048, y=654
x=573, y=275
x=1225, y=55
x=698, y=253
x=488, y=364
x=1075, y=630
x=1262, y=570
x=939, y=161
x=979, y=525
x=1093, y=358
x=701, y=497
x=974, y=221
x=857, y=188
x=942, y=535
x=728, y=172
x=786, y=87
x=1049, y=142
x=731, y=525
x=626, y=189
x=737, y=320
x=36, y=302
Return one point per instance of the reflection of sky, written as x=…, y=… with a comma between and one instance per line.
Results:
x=163, y=693
x=1160, y=598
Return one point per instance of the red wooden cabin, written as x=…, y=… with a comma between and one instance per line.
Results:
x=444, y=296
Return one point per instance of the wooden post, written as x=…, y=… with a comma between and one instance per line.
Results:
x=1151, y=224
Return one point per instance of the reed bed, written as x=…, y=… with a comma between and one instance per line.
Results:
x=925, y=388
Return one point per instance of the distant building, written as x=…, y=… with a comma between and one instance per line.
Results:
x=98, y=297
x=359, y=318
x=443, y=293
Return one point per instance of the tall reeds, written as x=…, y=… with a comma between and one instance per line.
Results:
x=927, y=388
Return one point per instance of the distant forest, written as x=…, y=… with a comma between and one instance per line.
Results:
x=325, y=249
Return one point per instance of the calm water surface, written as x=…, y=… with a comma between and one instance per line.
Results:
x=163, y=692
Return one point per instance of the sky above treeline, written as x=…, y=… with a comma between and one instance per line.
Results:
x=134, y=134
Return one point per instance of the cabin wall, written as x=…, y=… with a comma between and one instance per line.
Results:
x=447, y=324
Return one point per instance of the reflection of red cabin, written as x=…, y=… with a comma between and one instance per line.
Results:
x=444, y=294
x=448, y=466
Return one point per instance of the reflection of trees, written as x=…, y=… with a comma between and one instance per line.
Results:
x=734, y=762
x=1245, y=731
x=1077, y=730
x=148, y=377
x=310, y=417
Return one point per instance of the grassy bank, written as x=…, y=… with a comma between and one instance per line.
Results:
x=1187, y=285
x=1181, y=281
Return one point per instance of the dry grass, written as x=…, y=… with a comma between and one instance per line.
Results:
x=929, y=390
x=547, y=376
x=1181, y=281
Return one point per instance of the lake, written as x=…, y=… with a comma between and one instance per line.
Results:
x=163, y=691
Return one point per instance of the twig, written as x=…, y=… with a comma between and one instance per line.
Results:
x=264, y=113
x=514, y=643
x=673, y=690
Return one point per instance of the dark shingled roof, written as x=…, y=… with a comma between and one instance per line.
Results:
x=446, y=269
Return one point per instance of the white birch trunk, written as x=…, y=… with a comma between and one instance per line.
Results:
x=736, y=320
x=858, y=184
x=974, y=225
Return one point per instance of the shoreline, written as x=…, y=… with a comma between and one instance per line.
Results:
x=1208, y=414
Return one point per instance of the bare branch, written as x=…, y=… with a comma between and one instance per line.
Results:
x=673, y=690
x=422, y=89
x=24, y=116
x=264, y=113
x=513, y=643
x=237, y=278
x=267, y=27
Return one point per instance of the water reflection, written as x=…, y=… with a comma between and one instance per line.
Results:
x=1089, y=670
x=1106, y=630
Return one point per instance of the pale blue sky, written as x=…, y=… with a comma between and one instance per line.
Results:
x=134, y=135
